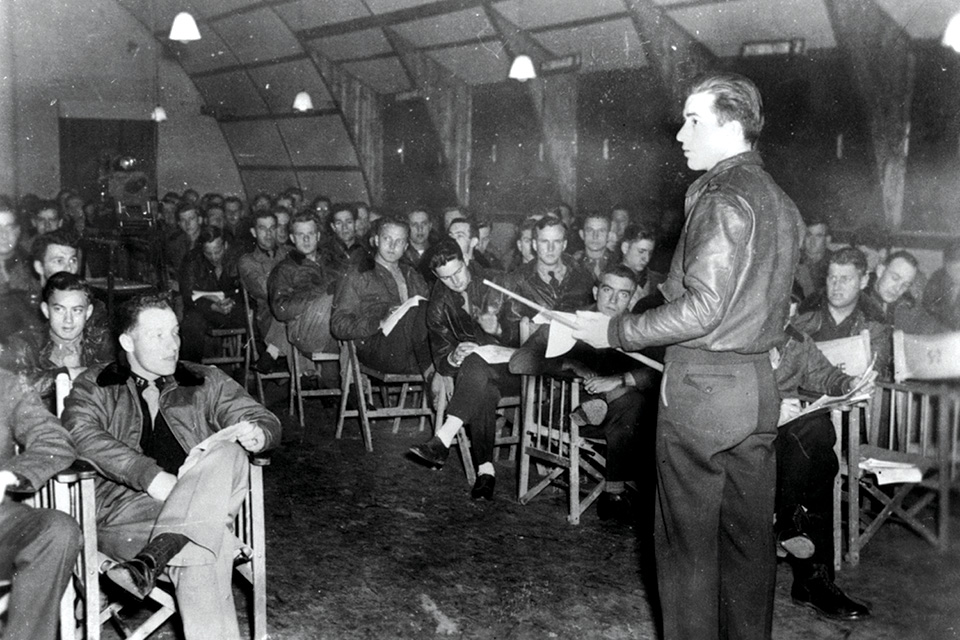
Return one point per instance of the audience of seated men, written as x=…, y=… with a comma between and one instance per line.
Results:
x=210, y=288
x=812, y=271
x=806, y=468
x=370, y=292
x=184, y=239
x=300, y=292
x=343, y=248
x=617, y=389
x=163, y=503
x=595, y=256
x=254, y=268
x=941, y=297
x=554, y=280
x=463, y=314
x=38, y=547
x=68, y=343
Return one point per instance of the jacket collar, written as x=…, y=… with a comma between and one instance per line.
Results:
x=747, y=157
x=117, y=373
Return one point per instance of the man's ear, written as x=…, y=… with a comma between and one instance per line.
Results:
x=89, y=311
x=126, y=343
x=864, y=280
x=45, y=308
x=38, y=267
x=582, y=237
x=623, y=247
x=474, y=242
x=595, y=292
x=253, y=232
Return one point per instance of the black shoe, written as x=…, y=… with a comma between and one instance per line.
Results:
x=433, y=452
x=267, y=364
x=136, y=576
x=310, y=383
x=483, y=488
x=615, y=506
x=819, y=592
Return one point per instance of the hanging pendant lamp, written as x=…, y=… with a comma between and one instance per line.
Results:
x=522, y=68
x=184, y=28
x=951, y=37
x=303, y=102
x=159, y=114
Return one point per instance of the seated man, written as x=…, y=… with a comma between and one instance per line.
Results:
x=484, y=257
x=462, y=315
x=637, y=248
x=15, y=273
x=69, y=344
x=54, y=252
x=344, y=249
x=254, y=268
x=421, y=224
x=45, y=217
x=184, y=239
x=941, y=296
x=620, y=219
x=210, y=287
x=299, y=288
x=163, y=503
x=524, y=252
x=811, y=273
x=553, y=280
x=889, y=291
x=619, y=384
x=38, y=547
x=806, y=468
x=370, y=292
x=595, y=256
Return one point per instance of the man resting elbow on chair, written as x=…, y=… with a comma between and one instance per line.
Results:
x=159, y=508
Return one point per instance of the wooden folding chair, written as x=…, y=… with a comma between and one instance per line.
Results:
x=508, y=431
x=255, y=356
x=317, y=357
x=364, y=378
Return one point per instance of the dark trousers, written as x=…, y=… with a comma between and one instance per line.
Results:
x=618, y=429
x=405, y=350
x=38, y=548
x=716, y=471
x=476, y=392
x=196, y=322
x=806, y=468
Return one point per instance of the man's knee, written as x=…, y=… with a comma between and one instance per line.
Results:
x=57, y=533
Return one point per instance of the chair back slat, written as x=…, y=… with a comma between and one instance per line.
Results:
x=926, y=357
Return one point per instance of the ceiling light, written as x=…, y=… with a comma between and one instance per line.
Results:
x=184, y=28
x=303, y=102
x=951, y=37
x=159, y=114
x=522, y=68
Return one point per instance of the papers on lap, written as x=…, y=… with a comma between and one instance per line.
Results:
x=889, y=471
x=224, y=435
x=216, y=296
x=494, y=353
x=391, y=321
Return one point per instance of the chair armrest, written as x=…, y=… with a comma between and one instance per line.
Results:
x=79, y=470
x=260, y=459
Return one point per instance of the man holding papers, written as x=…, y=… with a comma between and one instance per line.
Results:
x=463, y=319
x=370, y=292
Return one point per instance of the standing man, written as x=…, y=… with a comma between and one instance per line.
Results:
x=727, y=298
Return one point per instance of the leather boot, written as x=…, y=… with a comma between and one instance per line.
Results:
x=139, y=575
x=816, y=589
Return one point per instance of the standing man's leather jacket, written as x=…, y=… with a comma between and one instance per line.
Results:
x=729, y=282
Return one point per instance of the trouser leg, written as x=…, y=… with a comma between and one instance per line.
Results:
x=38, y=549
x=619, y=428
x=405, y=350
x=205, y=598
x=476, y=393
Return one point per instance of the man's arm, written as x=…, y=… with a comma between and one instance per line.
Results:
x=252, y=277
x=291, y=291
x=228, y=404
x=46, y=448
x=352, y=318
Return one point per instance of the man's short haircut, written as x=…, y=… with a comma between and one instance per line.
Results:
x=318, y=200
x=815, y=219
x=418, y=210
x=171, y=196
x=528, y=224
x=263, y=214
x=65, y=281
x=735, y=98
x=129, y=312
x=619, y=270
x=638, y=232
x=952, y=253
x=305, y=216
x=849, y=255
x=48, y=205
x=61, y=237
x=209, y=234
x=343, y=206
x=446, y=250
x=185, y=206
x=474, y=229
x=549, y=221
x=596, y=214
x=872, y=236
x=387, y=221
x=902, y=255
x=483, y=223
x=233, y=200
x=292, y=191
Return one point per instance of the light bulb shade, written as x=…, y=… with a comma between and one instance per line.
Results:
x=951, y=37
x=158, y=115
x=522, y=68
x=184, y=28
x=303, y=102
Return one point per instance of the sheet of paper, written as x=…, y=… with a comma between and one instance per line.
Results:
x=391, y=321
x=224, y=435
x=561, y=338
x=890, y=472
x=216, y=296
x=494, y=353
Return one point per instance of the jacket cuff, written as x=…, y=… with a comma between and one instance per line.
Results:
x=613, y=332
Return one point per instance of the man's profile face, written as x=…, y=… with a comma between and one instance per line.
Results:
x=705, y=141
x=815, y=240
x=894, y=279
x=483, y=238
x=594, y=233
x=619, y=221
x=344, y=226
x=153, y=343
x=844, y=283
x=525, y=245
x=362, y=225
x=636, y=255
x=454, y=275
x=57, y=258
x=265, y=232
x=214, y=250
x=68, y=312
x=305, y=237
x=420, y=227
x=551, y=241
x=460, y=231
x=47, y=220
x=450, y=216
x=391, y=243
x=9, y=233
x=189, y=222
x=613, y=294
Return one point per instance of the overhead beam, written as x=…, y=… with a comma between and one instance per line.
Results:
x=877, y=51
x=674, y=54
x=554, y=100
x=449, y=101
x=390, y=18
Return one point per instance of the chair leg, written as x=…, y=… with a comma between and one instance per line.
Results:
x=364, y=418
x=466, y=456
x=298, y=389
x=401, y=403
x=346, y=378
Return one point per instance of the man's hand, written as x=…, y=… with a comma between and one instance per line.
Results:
x=251, y=437
x=7, y=479
x=461, y=352
x=865, y=382
x=161, y=486
x=489, y=322
x=789, y=409
x=593, y=329
x=602, y=384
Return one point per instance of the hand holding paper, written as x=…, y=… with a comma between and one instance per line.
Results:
x=593, y=329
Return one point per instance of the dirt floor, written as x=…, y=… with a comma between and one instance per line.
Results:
x=370, y=545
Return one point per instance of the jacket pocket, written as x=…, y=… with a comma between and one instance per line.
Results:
x=710, y=383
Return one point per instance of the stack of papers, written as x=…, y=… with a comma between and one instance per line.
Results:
x=890, y=472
